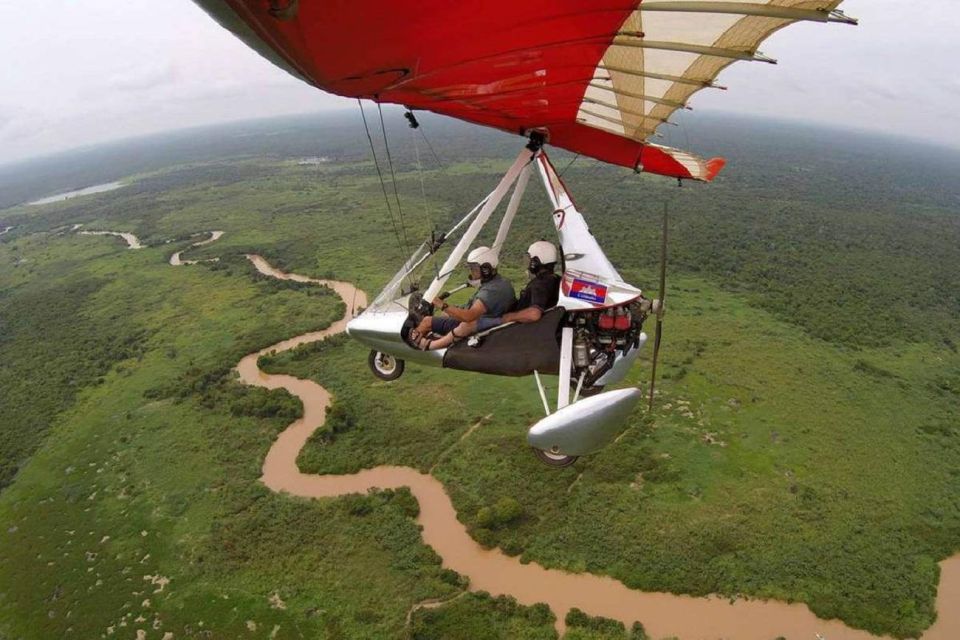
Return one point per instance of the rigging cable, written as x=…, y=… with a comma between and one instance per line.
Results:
x=393, y=177
x=383, y=185
x=596, y=169
x=569, y=164
x=436, y=158
x=416, y=151
x=414, y=124
x=412, y=119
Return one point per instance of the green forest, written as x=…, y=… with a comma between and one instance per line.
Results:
x=805, y=445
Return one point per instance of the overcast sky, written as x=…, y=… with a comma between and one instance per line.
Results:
x=82, y=72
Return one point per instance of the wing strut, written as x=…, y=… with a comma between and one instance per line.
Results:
x=493, y=200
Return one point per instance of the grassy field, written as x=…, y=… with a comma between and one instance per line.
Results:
x=801, y=448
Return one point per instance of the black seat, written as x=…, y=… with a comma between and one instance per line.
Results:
x=514, y=350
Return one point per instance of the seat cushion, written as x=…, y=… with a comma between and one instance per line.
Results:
x=516, y=350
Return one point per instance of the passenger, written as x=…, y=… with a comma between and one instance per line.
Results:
x=493, y=298
x=540, y=294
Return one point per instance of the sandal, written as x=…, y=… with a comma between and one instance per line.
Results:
x=419, y=341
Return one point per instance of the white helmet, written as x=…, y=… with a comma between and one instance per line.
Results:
x=482, y=256
x=543, y=251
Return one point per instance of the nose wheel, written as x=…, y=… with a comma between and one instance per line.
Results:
x=555, y=460
x=385, y=366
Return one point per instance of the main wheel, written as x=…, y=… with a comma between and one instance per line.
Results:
x=555, y=460
x=385, y=366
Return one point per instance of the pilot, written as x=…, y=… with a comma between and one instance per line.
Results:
x=494, y=297
x=541, y=293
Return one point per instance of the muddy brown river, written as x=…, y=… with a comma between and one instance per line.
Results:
x=176, y=260
x=132, y=241
x=662, y=614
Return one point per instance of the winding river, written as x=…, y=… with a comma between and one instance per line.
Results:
x=176, y=261
x=132, y=241
x=662, y=614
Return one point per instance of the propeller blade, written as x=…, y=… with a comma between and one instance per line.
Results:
x=660, y=307
x=653, y=369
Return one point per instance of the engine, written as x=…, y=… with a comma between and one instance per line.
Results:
x=600, y=334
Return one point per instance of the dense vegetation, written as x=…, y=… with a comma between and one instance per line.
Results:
x=51, y=355
x=805, y=446
x=787, y=468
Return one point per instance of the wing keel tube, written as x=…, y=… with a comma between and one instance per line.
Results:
x=586, y=425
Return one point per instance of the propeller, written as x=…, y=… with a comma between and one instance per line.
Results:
x=658, y=307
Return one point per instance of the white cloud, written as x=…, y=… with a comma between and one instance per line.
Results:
x=893, y=73
x=79, y=73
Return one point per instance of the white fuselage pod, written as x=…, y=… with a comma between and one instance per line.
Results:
x=586, y=425
x=380, y=330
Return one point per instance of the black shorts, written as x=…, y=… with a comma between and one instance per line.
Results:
x=443, y=325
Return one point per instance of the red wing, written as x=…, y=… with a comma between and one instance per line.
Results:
x=597, y=77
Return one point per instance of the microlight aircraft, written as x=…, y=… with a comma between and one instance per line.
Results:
x=594, y=78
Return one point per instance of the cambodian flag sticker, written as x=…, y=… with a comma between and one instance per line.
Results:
x=589, y=291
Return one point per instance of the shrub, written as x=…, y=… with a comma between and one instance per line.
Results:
x=507, y=510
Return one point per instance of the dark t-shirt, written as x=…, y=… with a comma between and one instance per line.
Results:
x=542, y=292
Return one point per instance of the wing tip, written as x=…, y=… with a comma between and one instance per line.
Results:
x=714, y=166
x=680, y=164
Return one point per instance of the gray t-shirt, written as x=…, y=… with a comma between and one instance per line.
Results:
x=496, y=295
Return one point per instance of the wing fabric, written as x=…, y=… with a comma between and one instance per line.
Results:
x=596, y=76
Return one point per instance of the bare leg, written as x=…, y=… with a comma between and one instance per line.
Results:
x=424, y=326
x=462, y=330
